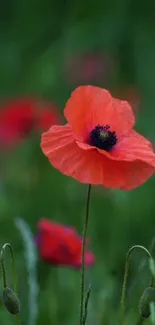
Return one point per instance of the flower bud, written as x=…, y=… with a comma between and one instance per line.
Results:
x=144, y=305
x=11, y=301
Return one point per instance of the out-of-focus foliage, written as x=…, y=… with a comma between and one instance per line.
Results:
x=47, y=48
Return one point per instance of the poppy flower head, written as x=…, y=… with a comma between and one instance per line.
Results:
x=98, y=144
x=16, y=119
x=46, y=114
x=88, y=67
x=60, y=245
x=19, y=117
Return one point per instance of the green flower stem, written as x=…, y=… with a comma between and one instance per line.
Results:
x=123, y=297
x=2, y=252
x=83, y=257
x=86, y=305
x=13, y=265
x=18, y=320
x=4, y=273
x=140, y=321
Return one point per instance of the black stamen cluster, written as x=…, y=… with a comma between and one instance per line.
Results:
x=102, y=138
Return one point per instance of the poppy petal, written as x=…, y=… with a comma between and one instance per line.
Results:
x=89, y=106
x=89, y=260
x=131, y=147
x=134, y=147
x=138, y=173
x=48, y=247
x=61, y=248
x=86, y=166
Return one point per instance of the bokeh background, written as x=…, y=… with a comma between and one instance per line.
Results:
x=47, y=48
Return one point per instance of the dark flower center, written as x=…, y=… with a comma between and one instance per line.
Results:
x=102, y=138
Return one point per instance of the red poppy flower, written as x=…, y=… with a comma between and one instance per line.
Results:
x=99, y=145
x=88, y=67
x=19, y=117
x=61, y=245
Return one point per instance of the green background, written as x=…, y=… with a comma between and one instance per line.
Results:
x=44, y=48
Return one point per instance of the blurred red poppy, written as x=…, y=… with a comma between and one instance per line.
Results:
x=88, y=67
x=99, y=145
x=61, y=245
x=19, y=117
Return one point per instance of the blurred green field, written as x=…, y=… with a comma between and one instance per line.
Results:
x=45, y=47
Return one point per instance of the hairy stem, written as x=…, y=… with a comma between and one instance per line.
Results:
x=83, y=256
x=86, y=305
x=13, y=263
x=2, y=252
x=124, y=287
x=140, y=321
